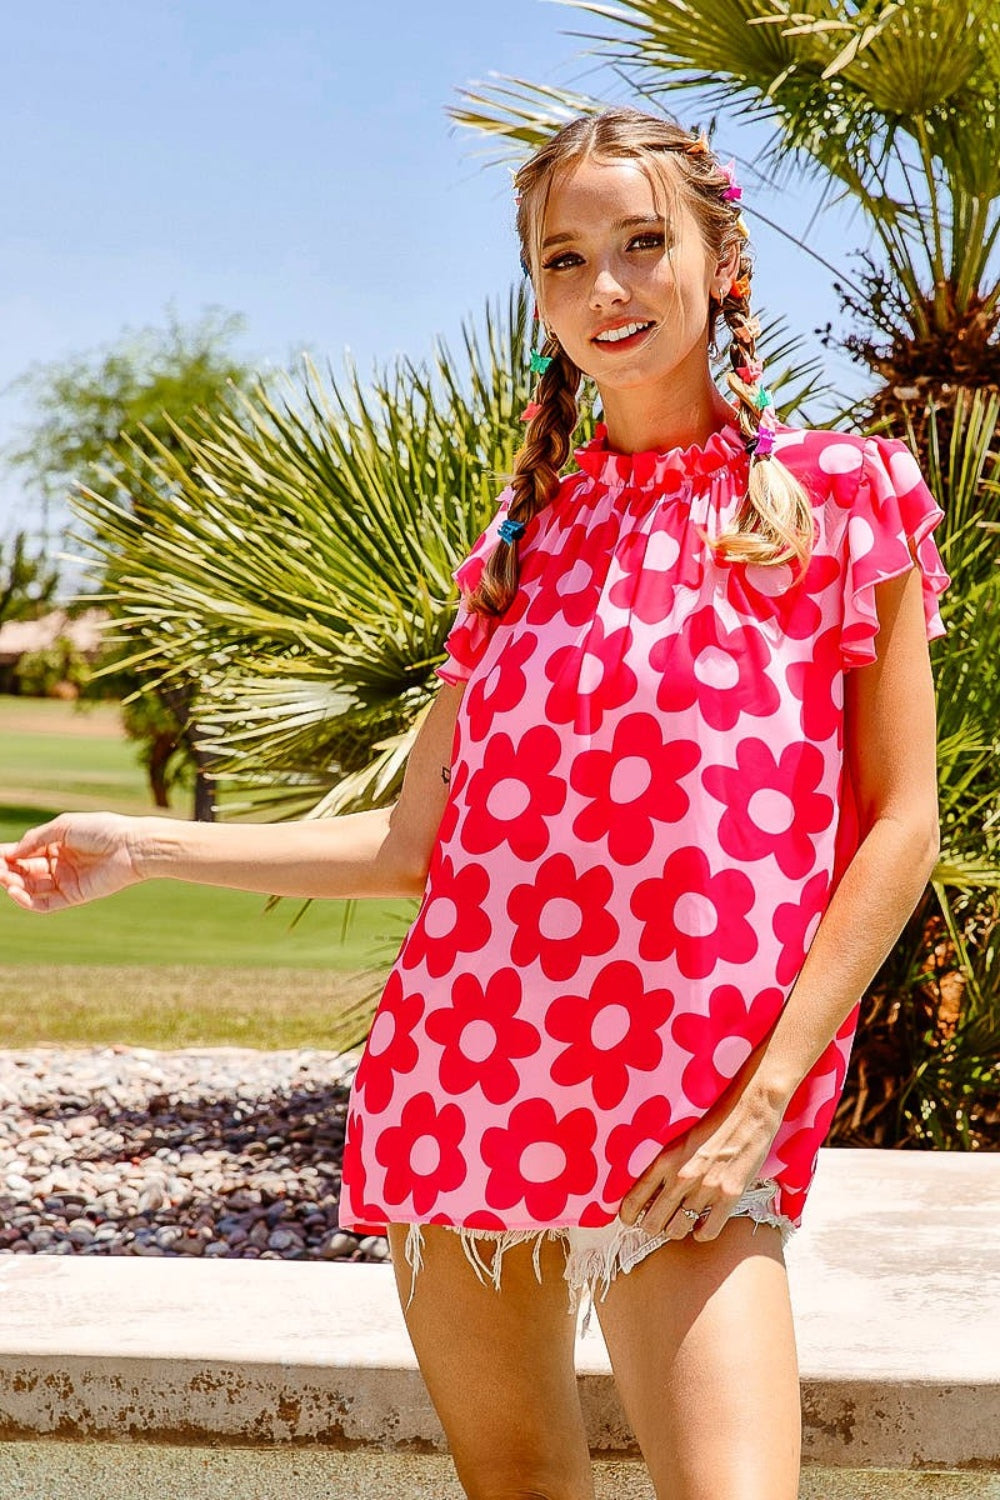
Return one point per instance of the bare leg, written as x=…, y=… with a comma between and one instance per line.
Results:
x=703, y=1351
x=498, y=1366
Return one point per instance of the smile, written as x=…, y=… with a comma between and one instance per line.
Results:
x=628, y=334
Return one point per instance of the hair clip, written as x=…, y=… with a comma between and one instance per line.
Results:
x=740, y=287
x=733, y=191
x=751, y=371
x=764, y=398
x=540, y=362
x=699, y=146
x=530, y=411
x=509, y=530
x=762, y=445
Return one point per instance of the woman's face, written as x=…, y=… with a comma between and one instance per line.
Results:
x=609, y=260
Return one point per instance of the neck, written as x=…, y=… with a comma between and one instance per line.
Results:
x=640, y=420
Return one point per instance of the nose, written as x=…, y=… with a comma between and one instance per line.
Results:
x=606, y=289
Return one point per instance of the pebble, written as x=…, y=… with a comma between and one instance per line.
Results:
x=215, y=1152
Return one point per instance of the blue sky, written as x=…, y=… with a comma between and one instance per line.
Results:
x=296, y=165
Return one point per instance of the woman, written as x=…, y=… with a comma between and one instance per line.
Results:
x=664, y=830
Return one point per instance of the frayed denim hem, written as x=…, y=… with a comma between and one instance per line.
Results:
x=593, y=1256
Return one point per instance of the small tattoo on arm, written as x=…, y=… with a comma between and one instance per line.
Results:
x=446, y=774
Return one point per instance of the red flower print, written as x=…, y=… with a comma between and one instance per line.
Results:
x=582, y=564
x=772, y=807
x=589, y=679
x=795, y=924
x=421, y=1154
x=776, y=593
x=353, y=1210
x=723, y=1040
x=561, y=917
x=610, y=1031
x=818, y=685
x=647, y=566
x=480, y=1034
x=539, y=1158
x=634, y=1145
x=696, y=915
x=514, y=793
x=502, y=688
x=632, y=785
x=390, y=1049
x=452, y=921
x=449, y=818
x=723, y=671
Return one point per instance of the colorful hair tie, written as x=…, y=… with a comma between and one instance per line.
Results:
x=509, y=530
x=762, y=445
x=733, y=191
x=751, y=371
x=764, y=398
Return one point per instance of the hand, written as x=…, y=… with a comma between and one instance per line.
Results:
x=708, y=1170
x=75, y=858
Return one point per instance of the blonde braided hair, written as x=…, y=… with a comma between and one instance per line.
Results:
x=773, y=523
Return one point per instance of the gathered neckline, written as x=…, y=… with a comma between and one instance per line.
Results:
x=724, y=446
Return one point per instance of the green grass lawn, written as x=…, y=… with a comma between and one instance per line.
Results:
x=54, y=758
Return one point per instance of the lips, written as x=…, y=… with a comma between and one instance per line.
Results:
x=640, y=327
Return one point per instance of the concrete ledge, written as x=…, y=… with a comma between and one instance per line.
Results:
x=895, y=1282
x=63, y=1471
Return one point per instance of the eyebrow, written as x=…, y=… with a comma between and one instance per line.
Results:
x=573, y=234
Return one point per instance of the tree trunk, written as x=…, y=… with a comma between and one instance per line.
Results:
x=180, y=700
x=160, y=751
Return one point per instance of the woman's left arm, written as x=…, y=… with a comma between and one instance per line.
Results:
x=890, y=745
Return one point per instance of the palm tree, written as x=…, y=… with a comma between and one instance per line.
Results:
x=294, y=556
x=894, y=107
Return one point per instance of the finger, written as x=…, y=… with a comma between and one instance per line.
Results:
x=38, y=885
x=645, y=1188
x=710, y=1227
x=28, y=867
x=660, y=1211
x=28, y=902
x=35, y=839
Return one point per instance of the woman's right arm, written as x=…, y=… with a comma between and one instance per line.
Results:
x=384, y=852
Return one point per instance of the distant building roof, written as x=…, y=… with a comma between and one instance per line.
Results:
x=20, y=636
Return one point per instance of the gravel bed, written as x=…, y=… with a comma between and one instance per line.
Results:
x=217, y=1152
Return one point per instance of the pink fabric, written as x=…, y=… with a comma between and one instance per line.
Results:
x=648, y=813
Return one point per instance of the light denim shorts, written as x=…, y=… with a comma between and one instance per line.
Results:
x=593, y=1256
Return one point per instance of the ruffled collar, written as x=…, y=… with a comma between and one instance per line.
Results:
x=724, y=448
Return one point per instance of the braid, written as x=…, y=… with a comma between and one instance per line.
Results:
x=774, y=521
x=535, y=480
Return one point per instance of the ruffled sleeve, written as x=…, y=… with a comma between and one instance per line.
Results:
x=889, y=528
x=470, y=632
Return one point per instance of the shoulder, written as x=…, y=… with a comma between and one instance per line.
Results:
x=836, y=466
x=828, y=464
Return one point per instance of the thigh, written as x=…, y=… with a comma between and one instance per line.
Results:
x=499, y=1366
x=703, y=1351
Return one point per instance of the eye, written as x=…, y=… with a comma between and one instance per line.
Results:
x=648, y=240
x=556, y=263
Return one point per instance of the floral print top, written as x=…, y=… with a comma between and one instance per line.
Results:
x=648, y=812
